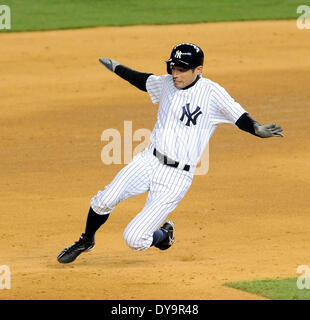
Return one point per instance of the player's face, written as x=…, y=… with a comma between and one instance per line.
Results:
x=184, y=77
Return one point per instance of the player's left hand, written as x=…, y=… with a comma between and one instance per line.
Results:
x=109, y=63
x=268, y=130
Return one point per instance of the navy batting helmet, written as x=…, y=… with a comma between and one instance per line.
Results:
x=185, y=55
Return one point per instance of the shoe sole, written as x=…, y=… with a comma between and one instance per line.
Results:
x=171, y=223
x=171, y=239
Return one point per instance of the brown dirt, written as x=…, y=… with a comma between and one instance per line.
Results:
x=246, y=219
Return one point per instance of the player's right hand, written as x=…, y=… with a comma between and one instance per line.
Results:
x=109, y=63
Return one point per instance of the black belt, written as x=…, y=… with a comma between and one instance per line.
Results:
x=167, y=161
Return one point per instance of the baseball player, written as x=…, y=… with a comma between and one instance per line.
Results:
x=190, y=108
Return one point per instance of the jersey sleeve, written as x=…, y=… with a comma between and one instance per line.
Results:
x=136, y=78
x=154, y=87
x=224, y=108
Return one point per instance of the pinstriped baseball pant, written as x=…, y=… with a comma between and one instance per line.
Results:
x=166, y=187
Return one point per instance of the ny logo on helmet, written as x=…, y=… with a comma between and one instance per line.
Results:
x=191, y=117
x=178, y=54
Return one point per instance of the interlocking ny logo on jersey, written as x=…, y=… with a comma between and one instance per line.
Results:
x=191, y=117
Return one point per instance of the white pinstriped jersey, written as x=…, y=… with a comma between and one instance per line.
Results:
x=187, y=118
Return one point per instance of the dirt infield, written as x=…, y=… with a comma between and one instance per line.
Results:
x=246, y=219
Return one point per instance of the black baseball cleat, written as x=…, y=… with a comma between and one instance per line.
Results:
x=70, y=253
x=168, y=227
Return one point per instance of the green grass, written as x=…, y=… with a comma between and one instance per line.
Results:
x=29, y=15
x=283, y=289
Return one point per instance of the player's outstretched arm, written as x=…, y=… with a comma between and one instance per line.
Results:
x=138, y=79
x=246, y=123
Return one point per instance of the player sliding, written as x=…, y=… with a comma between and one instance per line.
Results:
x=190, y=108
